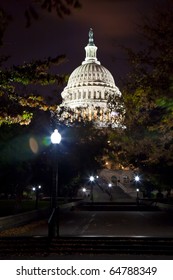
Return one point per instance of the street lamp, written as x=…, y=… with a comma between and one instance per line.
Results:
x=36, y=190
x=92, y=181
x=55, y=137
x=137, y=195
x=110, y=192
x=91, y=178
x=137, y=180
x=54, y=218
x=84, y=192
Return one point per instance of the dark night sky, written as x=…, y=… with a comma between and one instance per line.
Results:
x=114, y=23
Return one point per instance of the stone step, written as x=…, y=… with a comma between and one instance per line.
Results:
x=112, y=246
x=42, y=247
x=116, y=207
x=11, y=247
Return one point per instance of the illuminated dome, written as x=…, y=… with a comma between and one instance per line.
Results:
x=90, y=74
x=90, y=89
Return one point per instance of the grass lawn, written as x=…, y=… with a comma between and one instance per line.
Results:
x=8, y=207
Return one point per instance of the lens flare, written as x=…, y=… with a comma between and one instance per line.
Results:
x=33, y=145
x=46, y=141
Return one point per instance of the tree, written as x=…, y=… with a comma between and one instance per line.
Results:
x=61, y=7
x=17, y=101
x=147, y=143
x=20, y=103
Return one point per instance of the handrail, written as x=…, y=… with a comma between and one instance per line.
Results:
x=51, y=224
x=51, y=216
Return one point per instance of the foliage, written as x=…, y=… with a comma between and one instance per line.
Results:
x=113, y=116
x=17, y=104
x=60, y=7
x=26, y=155
x=17, y=93
x=147, y=143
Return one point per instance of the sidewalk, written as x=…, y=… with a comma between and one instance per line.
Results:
x=39, y=227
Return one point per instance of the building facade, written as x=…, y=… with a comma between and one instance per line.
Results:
x=91, y=93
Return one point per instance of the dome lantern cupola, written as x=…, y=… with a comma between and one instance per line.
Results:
x=91, y=50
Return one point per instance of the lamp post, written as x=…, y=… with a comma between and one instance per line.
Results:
x=84, y=192
x=110, y=190
x=137, y=180
x=36, y=190
x=54, y=218
x=137, y=195
x=92, y=181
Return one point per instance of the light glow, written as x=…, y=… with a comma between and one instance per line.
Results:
x=92, y=178
x=137, y=179
x=55, y=137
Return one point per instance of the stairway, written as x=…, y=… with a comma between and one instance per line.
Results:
x=23, y=247
x=43, y=248
x=116, y=206
x=96, y=246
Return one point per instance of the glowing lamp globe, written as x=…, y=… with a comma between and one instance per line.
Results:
x=55, y=137
x=137, y=179
x=91, y=178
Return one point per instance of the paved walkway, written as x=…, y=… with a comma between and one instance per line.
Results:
x=102, y=223
x=40, y=228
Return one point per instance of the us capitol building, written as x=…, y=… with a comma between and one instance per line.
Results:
x=91, y=93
